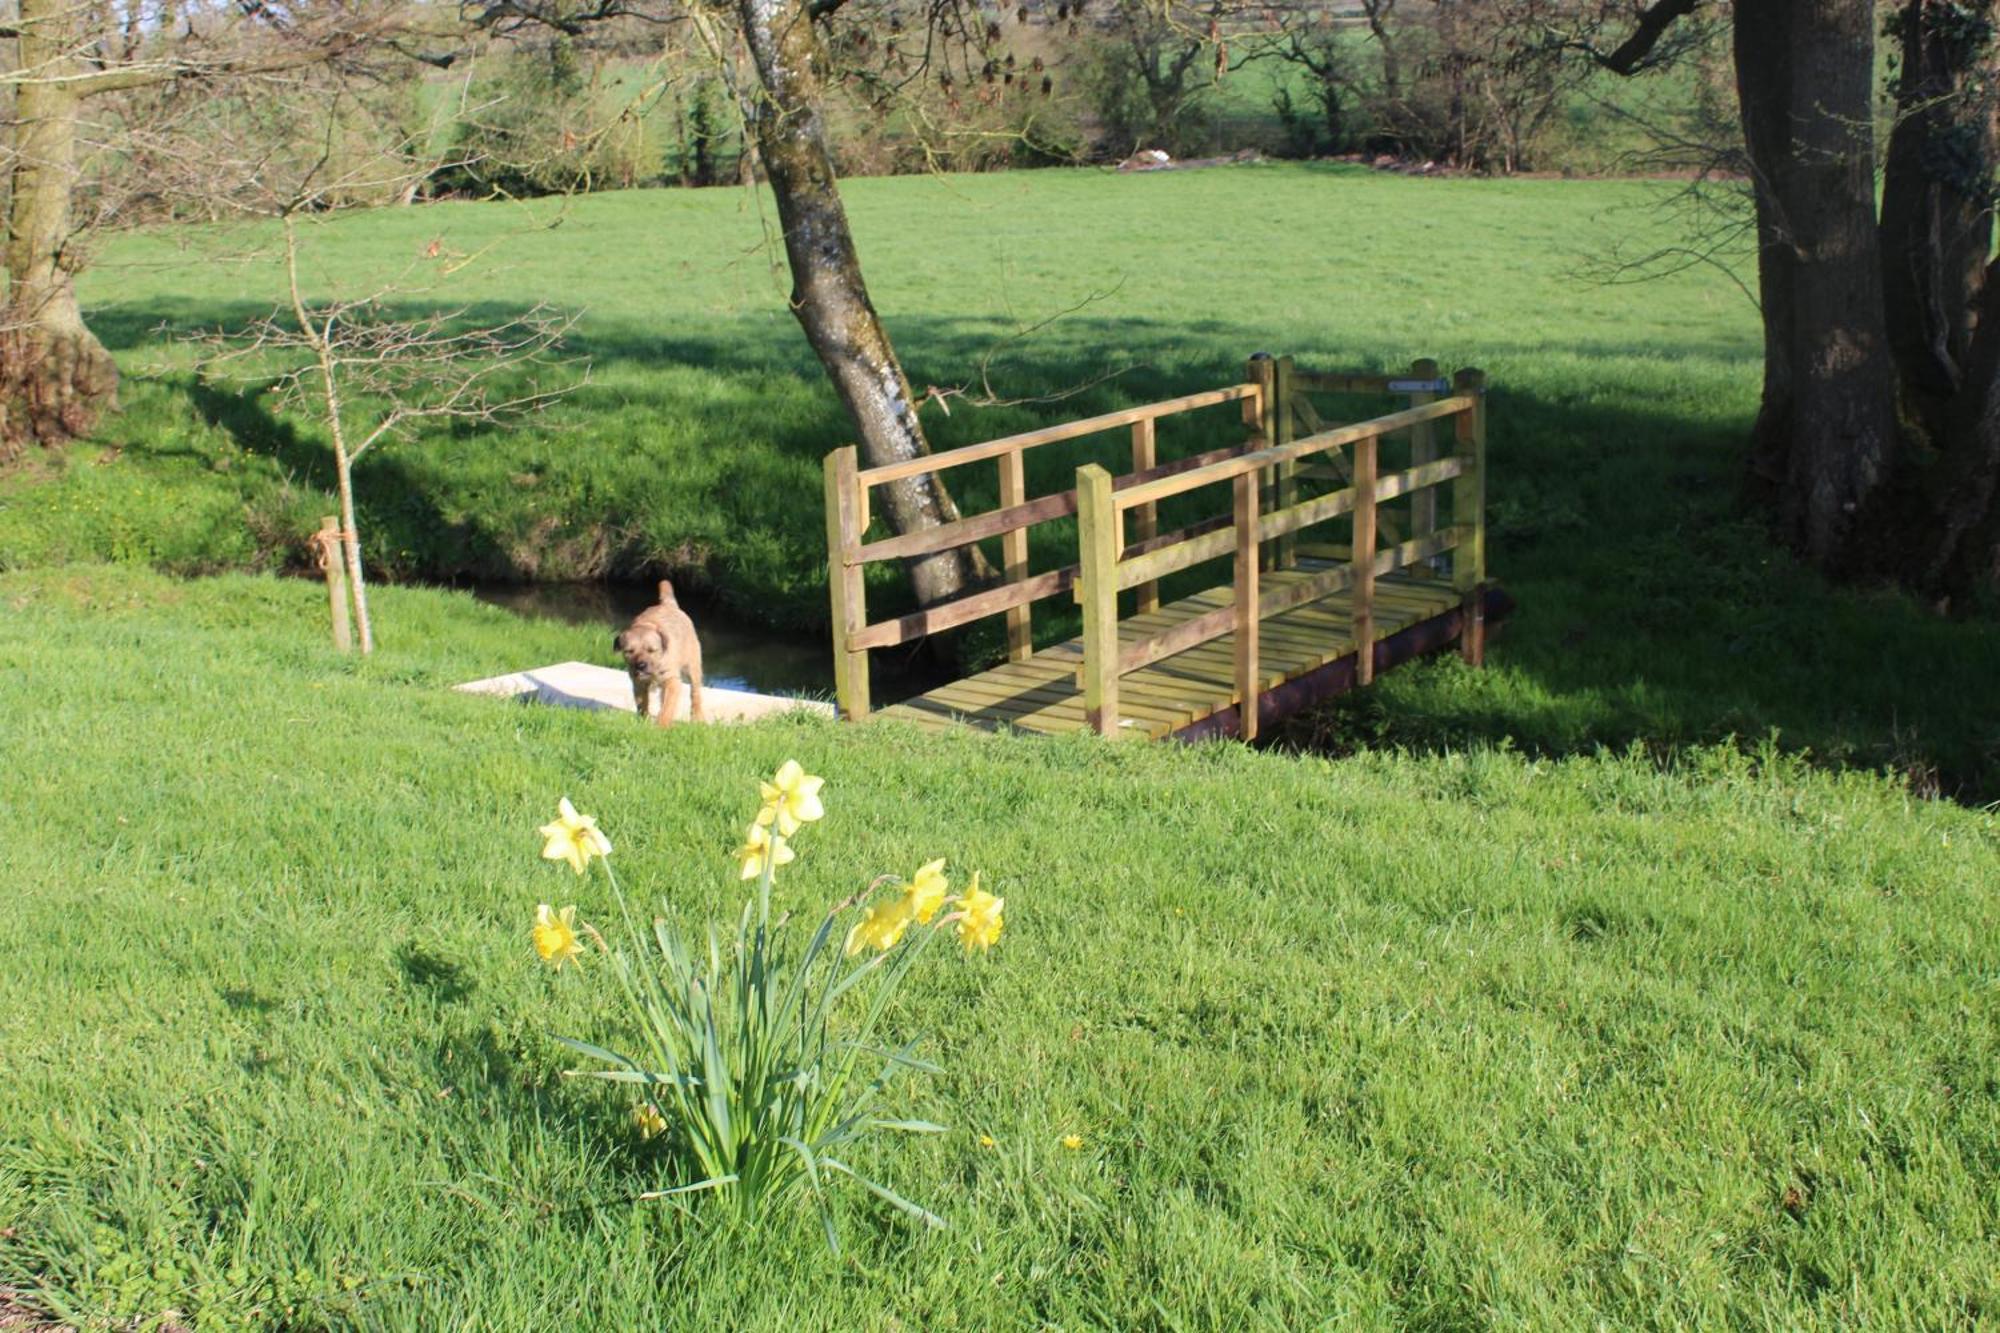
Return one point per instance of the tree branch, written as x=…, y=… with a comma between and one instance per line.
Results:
x=1631, y=55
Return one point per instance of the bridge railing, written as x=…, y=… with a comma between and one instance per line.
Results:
x=1107, y=565
x=1120, y=547
x=848, y=509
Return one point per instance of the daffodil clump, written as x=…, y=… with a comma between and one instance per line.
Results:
x=758, y=1060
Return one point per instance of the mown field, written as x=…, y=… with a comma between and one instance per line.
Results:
x=1653, y=610
x=706, y=413
x=1466, y=1040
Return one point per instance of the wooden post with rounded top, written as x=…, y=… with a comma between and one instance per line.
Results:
x=844, y=527
x=1248, y=605
x=1099, y=542
x=1145, y=518
x=1468, y=506
x=1014, y=556
x=1362, y=558
x=1423, y=449
x=1284, y=477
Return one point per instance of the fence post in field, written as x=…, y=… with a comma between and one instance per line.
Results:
x=1423, y=449
x=1247, y=595
x=1363, y=559
x=1014, y=556
x=1468, y=504
x=1099, y=542
x=844, y=526
x=1284, y=477
x=327, y=552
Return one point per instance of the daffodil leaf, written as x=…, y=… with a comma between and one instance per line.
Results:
x=718, y=1089
x=712, y=1183
x=887, y=1195
x=597, y=1052
x=910, y=1126
x=645, y=1076
x=848, y=982
x=900, y=1056
x=805, y=1155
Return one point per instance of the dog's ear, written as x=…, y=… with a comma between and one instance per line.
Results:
x=618, y=643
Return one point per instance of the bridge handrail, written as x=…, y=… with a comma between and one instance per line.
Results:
x=1266, y=465
x=847, y=517
x=1107, y=565
x=1068, y=430
x=1297, y=451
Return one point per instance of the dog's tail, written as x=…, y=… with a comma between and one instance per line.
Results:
x=666, y=590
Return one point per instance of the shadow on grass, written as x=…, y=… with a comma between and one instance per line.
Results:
x=1653, y=609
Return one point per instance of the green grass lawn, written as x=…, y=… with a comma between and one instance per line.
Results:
x=1653, y=609
x=696, y=447
x=1628, y=983
x=1466, y=1040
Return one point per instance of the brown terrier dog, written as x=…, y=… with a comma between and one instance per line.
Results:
x=657, y=646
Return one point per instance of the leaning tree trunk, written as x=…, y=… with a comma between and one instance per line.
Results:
x=55, y=377
x=1827, y=425
x=828, y=294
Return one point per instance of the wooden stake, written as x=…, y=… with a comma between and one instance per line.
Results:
x=331, y=560
x=844, y=582
x=1248, y=621
x=1099, y=542
x=1260, y=371
x=1363, y=560
x=1423, y=449
x=1145, y=519
x=1468, y=504
x=1014, y=555
x=1284, y=477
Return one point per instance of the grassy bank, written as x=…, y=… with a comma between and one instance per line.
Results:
x=1421, y=1042
x=695, y=449
x=1652, y=608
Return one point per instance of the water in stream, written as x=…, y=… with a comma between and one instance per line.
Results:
x=735, y=654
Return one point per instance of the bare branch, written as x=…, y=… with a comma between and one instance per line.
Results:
x=1634, y=53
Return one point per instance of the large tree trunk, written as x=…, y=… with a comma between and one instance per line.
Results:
x=1944, y=295
x=828, y=294
x=1827, y=426
x=55, y=377
x=1960, y=547
x=1937, y=212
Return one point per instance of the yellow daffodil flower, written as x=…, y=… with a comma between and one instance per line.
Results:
x=1072, y=1141
x=791, y=798
x=573, y=838
x=979, y=919
x=882, y=927
x=759, y=847
x=927, y=890
x=986, y=1141
x=646, y=1118
x=555, y=935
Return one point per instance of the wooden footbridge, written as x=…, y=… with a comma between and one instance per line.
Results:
x=1333, y=533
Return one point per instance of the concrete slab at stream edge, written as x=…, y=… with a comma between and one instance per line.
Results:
x=582, y=685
